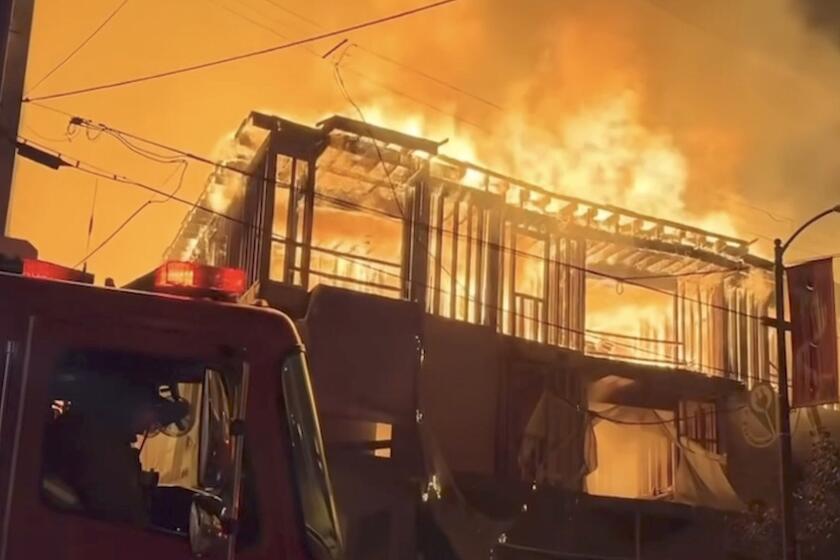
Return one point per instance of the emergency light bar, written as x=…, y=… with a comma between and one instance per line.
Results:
x=34, y=268
x=193, y=279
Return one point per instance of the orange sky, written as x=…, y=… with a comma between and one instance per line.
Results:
x=500, y=50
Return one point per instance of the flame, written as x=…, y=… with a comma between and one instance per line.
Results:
x=640, y=328
x=600, y=150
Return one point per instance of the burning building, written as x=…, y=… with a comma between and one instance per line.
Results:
x=571, y=363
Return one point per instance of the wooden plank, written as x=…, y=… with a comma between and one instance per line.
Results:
x=437, y=287
x=468, y=262
x=453, y=267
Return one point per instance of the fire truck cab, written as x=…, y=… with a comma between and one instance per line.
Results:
x=152, y=426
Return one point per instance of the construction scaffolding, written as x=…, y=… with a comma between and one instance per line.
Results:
x=369, y=209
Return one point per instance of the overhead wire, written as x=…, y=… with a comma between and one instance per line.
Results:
x=343, y=88
x=361, y=75
x=394, y=193
x=122, y=225
x=78, y=48
x=393, y=61
x=244, y=55
x=686, y=274
x=181, y=166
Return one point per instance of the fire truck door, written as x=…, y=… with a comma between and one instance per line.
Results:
x=85, y=381
x=12, y=344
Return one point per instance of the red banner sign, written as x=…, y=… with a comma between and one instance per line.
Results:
x=814, y=333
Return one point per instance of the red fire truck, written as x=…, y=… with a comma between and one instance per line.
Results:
x=161, y=425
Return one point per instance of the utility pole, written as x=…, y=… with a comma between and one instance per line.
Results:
x=789, y=548
x=15, y=28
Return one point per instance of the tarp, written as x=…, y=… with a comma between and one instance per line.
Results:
x=470, y=533
x=555, y=444
x=700, y=479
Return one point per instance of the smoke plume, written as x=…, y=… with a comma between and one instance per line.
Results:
x=823, y=16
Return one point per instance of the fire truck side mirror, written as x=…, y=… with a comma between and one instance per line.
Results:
x=208, y=533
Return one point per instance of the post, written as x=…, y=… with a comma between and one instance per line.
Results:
x=638, y=535
x=785, y=455
x=15, y=25
x=419, y=243
x=789, y=548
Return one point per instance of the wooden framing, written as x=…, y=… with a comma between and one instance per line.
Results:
x=458, y=251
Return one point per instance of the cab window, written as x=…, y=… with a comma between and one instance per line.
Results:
x=134, y=438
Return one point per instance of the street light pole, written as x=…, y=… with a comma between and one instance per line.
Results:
x=785, y=453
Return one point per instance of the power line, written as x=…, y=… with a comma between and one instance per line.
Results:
x=361, y=75
x=395, y=194
x=243, y=56
x=138, y=211
x=686, y=274
x=663, y=422
x=293, y=13
x=395, y=62
x=418, y=101
x=431, y=78
x=79, y=47
x=343, y=88
x=85, y=167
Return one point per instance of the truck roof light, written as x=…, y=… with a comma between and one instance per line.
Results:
x=193, y=279
x=34, y=268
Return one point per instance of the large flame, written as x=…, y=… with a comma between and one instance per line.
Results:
x=600, y=151
x=598, y=148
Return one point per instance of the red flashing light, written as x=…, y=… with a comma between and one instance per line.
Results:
x=33, y=268
x=188, y=278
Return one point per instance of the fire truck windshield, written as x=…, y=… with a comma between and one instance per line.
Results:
x=309, y=462
x=133, y=438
